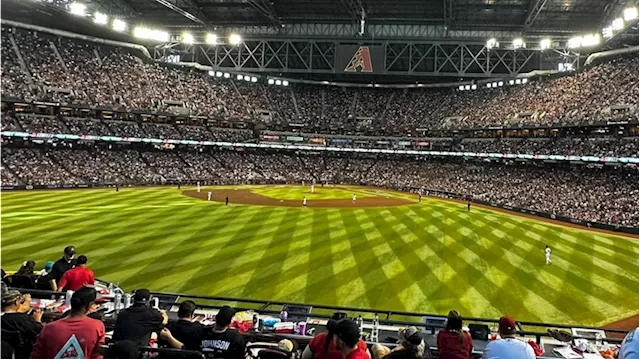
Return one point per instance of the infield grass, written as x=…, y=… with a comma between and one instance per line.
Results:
x=429, y=257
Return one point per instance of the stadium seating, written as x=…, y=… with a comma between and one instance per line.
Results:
x=87, y=73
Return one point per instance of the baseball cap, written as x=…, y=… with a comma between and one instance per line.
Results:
x=286, y=345
x=10, y=296
x=506, y=324
x=69, y=251
x=410, y=334
x=48, y=266
x=141, y=295
x=348, y=332
x=225, y=315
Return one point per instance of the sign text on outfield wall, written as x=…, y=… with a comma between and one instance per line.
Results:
x=360, y=59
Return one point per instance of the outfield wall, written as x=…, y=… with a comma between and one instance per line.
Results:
x=428, y=192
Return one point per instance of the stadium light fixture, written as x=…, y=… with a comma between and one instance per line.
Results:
x=218, y=74
x=211, y=73
x=495, y=84
x=518, y=81
x=491, y=43
x=254, y=79
x=590, y=40
x=247, y=78
x=524, y=81
x=500, y=83
x=285, y=83
x=545, y=44
x=100, y=18
x=270, y=81
x=574, y=42
x=519, y=43
x=489, y=85
x=239, y=77
x=118, y=25
x=187, y=38
x=235, y=39
x=149, y=34
x=630, y=13
x=77, y=8
x=617, y=24
x=511, y=82
x=461, y=87
x=474, y=86
x=607, y=32
x=467, y=87
x=278, y=82
x=211, y=39
x=227, y=75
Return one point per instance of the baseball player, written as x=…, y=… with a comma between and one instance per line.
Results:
x=208, y=196
x=313, y=187
x=547, y=255
x=353, y=198
x=198, y=186
x=419, y=197
x=304, y=201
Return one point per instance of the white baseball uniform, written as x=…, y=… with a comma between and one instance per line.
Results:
x=304, y=201
x=209, y=196
x=547, y=255
x=353, y=198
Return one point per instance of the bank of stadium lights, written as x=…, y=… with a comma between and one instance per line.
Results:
x=583, y=41
x=211, y=39
x=491, y=43
x=235, y=39
x=187, y=38
x=77, y=8
x=151, y=34
x=100, y=18
x=467, y=87
x=227, y=75
x=118, y=25
x=519, y=44
x=278, y=82
x=630, y=14
x=545, y=44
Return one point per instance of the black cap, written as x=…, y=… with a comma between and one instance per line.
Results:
x=83, y=297
x=224, y=316
x=141, y=295
x=348, y=332
x=69, y=251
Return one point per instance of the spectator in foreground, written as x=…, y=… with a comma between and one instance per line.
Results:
x=137, y=322
x=185, y=329
x=15, y=319
x=43, y=282
x=322, y=345
x=25, y=276
x=411, y=346
x=67, y=337
x=453, y=342
x=346, y=339
x=77, y=277
x=508, y=347
x=630, y=345
x=221, y=341
x=62, y=265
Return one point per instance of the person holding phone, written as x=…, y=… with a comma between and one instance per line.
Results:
x=15, y=307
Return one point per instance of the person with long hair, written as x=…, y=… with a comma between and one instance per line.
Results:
x=453, y=342
x=322, y=346
x=410, y=346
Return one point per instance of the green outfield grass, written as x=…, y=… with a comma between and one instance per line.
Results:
x=429, y=257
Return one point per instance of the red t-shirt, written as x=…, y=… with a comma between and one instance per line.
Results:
x=317, y=347
x=450, y=348
x=65, y=338
x=77, y=278
x=359, y=353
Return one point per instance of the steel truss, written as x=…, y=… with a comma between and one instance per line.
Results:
x=426, y=58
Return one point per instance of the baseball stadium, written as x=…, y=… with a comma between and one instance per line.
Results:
x=264, y=174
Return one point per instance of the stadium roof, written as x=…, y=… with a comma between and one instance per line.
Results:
x=525, y=15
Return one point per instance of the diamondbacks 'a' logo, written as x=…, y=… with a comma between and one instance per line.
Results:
x=361, y=61
x=70, y=350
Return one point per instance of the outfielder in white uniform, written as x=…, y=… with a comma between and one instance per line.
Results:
x=353, y=198
x=198, y=185
x=304, y=201
x=313, y=187
x=209, y=196
x=547, y=255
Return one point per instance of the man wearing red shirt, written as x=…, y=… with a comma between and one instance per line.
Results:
x=76, y=336
x=346, y=340
x=77, y=277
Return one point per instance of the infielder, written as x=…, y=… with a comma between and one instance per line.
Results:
x=313, y=187
x=208, y=196
x=353, y=198
x=547, y=255
x=304, y=201
x=198, y=186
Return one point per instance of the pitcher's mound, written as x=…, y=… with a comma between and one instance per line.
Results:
x=245, y=196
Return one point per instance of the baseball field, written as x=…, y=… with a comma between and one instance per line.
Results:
x=385, y=250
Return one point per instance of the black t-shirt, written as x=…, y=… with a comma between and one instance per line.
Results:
x=59, y=267
x=226, y=345
x=136, y=323
x=44, y=282
x=29, y=329
x=402, y=354
x=187, y=333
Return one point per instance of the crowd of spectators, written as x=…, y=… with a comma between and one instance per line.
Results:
x=73, y=71
x=607, y=195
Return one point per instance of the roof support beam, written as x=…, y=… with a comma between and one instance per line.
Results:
x=266, y=9
x=448, y=13
x=355, y=9
x=534, y=10
x=193, y=13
